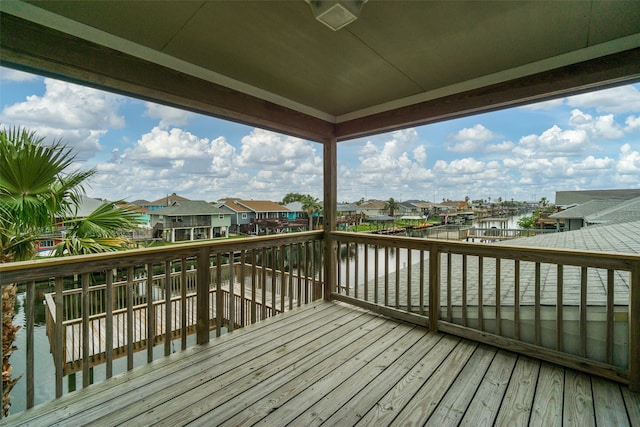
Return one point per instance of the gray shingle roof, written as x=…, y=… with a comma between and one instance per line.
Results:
x=191, y=207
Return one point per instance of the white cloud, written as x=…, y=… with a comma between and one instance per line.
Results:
x=623, y=99
x=77, y=115
x=632, y=123
x=11, y=75
x=420, y=154
x=599, y=127
x=168, y=116
x=544, y=105
x=629, y=162
x=554, y=142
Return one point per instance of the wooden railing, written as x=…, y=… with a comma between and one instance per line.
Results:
x=269, y=275
x=575, y=308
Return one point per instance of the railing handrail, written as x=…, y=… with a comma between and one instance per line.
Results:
x=586, y=258
x=41, y=269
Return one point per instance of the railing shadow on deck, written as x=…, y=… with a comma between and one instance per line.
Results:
x=578, y=309
x=270, y=275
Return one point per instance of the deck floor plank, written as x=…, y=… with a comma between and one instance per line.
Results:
x=390, y=406
x=578, y=400
x=609, y=404
x=518, y=400
x=252, y=389
x=332, y=364
x=366, y=389
x=633, y=406
x=485, y=405
x=239, y=363
x=302, y=391
x=459, y=396
x=548, y=401
x=425, y=401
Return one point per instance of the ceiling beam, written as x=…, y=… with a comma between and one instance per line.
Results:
x=32, y=47
x=611, y=70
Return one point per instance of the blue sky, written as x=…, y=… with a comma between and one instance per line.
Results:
x=145, y=151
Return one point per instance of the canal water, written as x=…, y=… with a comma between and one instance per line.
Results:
x=44, y=368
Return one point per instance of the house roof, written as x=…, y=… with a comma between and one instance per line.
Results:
x=625, y=211
x=190, y=207
x=564, y=198
x=85, y=206
x=620, y=237
x=168, y=200
x=239, y=205
x=272, y=65
x=585, y=209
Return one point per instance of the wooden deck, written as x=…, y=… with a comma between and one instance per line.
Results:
x=333, y=364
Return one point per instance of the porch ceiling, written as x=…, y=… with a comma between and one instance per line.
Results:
x=270, y=64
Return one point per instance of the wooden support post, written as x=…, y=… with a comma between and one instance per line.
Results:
x=30, y=315
x=434, y=288
x=330, y=159
x=634, y=328
x=202, y=297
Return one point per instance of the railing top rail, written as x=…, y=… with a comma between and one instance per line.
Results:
x=613, y=260
x=23, y=271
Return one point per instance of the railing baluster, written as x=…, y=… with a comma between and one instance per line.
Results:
x=274, y=263
x=242, y=279
x=290, y=281
x=30, y=318
x=86, y=344
x=232, y=294
x=397, y=284
x=516, y=301
x=253, y=286
x=610, y=293
x=409, y=280
x=348, y=267
x=283, y=278
x=151, y=314
x=108, y=350
x=480, y=294
x=168, y=319
x=183, y=303
x=536, y=305
x=130, y=320
x=338, y=262
x=434, y=288
x=498, y=327
x=356, y=284
x=220, y=295
x=366, y=272
x=263, y=285
x=465, y=266
x=386, y=276
x=583, y=311
x=449, y=303
x=421, y=286
x=376, y=274
x=559, y=307
x=59, y=360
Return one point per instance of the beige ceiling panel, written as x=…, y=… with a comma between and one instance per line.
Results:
x=279, y=47
x=450, y=42
x=148, y=23
x=613, y=19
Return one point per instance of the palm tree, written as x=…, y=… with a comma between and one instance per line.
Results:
x=391, y=206
x=310, y=205
x=36, y=190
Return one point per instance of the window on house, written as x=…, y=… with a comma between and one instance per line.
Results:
x=244, y=216
x=220, y=216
